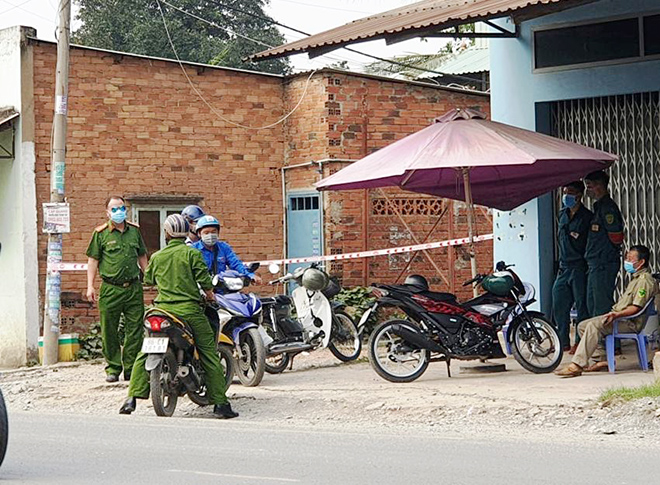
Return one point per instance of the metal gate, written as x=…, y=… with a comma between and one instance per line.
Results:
x=628, y=125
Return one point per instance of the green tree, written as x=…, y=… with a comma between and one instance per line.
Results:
x=136, y=26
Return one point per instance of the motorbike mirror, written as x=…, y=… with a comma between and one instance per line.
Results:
x=273, y=268
x=253, y=267
x=216, y=280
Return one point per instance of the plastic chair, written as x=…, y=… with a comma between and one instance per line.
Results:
x=640, y=338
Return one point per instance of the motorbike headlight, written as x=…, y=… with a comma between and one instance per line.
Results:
x=234, y=284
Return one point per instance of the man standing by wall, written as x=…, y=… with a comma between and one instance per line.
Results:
x=603, y=252
x=571, y=283
x=115, y=251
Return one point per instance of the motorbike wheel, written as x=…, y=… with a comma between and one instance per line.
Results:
x=392, y=357
x=163, y=396
x=345, y=343
x=277, y=363
x=539, y=358
x=250, y=368
x=227, y=360
x=4, y=428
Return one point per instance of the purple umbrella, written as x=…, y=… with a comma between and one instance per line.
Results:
x=463, y=156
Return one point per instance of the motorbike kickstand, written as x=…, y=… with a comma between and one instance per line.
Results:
x=448, y=362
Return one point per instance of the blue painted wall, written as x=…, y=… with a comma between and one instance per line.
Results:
x=524, y=236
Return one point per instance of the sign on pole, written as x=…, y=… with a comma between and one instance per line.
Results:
x=57, y=218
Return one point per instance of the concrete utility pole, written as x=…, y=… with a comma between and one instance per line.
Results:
x=54, y=278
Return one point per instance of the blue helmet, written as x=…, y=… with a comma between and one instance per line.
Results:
x=192, y=213
x=206, y=221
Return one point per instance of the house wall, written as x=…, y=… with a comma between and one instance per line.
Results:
x=19, y=297
x=516, y=93
x=352, y=117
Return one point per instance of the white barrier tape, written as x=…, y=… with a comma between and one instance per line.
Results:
x=331, y=257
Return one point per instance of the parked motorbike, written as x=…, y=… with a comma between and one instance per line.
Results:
x=320, y=321
x=239, y=315
x=439, y=328
x=4, y=428
x=173, y=362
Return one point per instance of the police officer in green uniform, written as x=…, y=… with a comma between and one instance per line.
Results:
x=177, y=270
x=603, y=253
x=118, y=252
x=571, y=283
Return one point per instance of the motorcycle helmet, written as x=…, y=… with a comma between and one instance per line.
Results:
x=192, y=213
x=176, y=226
x=206, y=221
x=499, y=283
x=418, y=281
x=314, y=279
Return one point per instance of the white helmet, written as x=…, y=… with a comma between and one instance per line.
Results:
x=176, y=226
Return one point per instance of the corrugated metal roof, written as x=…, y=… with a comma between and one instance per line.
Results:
x=419, y=18
x=470, y=61
x=7, y=114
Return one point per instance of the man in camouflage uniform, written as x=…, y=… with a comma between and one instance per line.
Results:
x=640, y=290
x=117, y=252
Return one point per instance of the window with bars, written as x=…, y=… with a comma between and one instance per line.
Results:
x=304, y=203
x=151, y=218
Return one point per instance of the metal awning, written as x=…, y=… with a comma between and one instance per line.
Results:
x=7, y=115
x=428, y=18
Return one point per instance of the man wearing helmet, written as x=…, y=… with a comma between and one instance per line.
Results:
x=218, y=255
x=192, y=213
x=177, y=270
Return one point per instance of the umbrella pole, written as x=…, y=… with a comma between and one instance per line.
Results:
x=470, y=218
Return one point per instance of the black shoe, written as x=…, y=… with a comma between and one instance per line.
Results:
x=127, y=377
x=224, y=411
x=111, y=378
x=129, y=406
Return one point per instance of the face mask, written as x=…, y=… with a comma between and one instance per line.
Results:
x=118, y=216
x=629, y=266
x=569, y=200
x=210, y=239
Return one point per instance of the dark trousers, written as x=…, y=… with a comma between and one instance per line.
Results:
x=570, y=288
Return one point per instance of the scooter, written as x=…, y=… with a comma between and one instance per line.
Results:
x=238, y=316
x=320, y=321
x=173, y=362
x=439, y=328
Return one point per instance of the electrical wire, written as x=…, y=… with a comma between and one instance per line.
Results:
x=213, y=110
x=24, y=10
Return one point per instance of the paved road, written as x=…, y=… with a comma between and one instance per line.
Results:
x=118, y=449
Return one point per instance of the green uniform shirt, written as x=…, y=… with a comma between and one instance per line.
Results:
x=640, y=290
x=117, y=252
x=573, y=233
x=176, y=269
x=606, y=221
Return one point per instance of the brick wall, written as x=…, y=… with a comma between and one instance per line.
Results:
x=136, y=128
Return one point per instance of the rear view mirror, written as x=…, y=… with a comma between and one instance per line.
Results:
x=216, y=280
x=273, y=268
x=253, y=267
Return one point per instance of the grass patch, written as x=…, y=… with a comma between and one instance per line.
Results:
x=631, y=393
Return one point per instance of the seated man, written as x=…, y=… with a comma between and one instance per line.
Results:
x=640, y=290
x=218, y=255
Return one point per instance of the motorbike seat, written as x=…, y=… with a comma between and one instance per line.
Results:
x=277, y=299
x=439, y=296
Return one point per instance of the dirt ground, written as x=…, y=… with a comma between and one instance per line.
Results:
x=320, y=391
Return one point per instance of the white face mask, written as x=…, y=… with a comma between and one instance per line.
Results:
x=210, y=239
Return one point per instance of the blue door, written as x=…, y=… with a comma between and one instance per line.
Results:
x=304, y=236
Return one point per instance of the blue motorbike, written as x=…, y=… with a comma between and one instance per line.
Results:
x=238, y=316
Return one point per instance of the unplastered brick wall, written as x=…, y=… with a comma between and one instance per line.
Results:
x=354, y=116
x=137, y=129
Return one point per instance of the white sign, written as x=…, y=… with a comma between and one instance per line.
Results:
x=57, y=219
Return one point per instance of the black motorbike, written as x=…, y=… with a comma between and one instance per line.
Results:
x=4, y=428
x=439, y=328
x=173, y=362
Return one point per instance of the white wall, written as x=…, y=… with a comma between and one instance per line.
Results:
x=19, y=305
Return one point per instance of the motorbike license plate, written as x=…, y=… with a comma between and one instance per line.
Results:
x=155, y=345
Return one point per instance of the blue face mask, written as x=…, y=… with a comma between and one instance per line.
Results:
x=569, y=200
x=629, y=266
x=118, y=216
